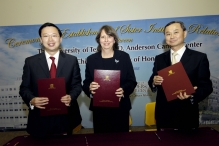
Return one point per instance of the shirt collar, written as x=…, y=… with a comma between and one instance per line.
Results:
x=180, y=51
x=56, y=55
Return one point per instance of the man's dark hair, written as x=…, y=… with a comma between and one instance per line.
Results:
x=172, y=22
x=49, y=24
x=111, y=32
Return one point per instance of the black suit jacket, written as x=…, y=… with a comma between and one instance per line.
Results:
x=127, y=77
x=182, y=113
x=35, y=68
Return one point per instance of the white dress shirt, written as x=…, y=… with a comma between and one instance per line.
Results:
x=49, y=61
x=179, y=53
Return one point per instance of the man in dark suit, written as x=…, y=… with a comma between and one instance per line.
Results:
x=182, y=113
x=37, y=67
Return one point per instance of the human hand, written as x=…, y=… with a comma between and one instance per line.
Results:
x=119, y=93
x=66, y=100
x=185, y=96
x=157, y=80
x=93, y=86
x=39, y=102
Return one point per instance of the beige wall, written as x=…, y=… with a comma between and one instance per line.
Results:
x=20, y=12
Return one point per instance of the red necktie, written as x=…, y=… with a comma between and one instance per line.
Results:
x=53, y=68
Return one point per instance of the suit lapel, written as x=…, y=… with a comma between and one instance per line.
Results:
x=186, y=56
x=117, y=60
x=167, y=58
x=61, y=63
x=43, y=63
x=99, y=61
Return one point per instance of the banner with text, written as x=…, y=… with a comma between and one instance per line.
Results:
x=142, y=39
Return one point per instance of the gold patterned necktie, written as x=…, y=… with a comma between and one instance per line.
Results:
x=53, y=68
x=174, y=57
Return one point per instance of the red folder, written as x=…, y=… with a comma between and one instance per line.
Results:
x=54, y=89
x=109, y=81
x=175, y=81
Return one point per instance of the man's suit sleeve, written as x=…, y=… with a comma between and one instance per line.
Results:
x=150, y=82
x=25, y=91
x=204, y=83
x=76, y=88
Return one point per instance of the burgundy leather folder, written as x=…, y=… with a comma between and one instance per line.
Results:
x=109, y=81
x=54, y=89
x=175, y=81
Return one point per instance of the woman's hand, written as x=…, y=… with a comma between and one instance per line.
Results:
x=93, y=86
x=119, y=93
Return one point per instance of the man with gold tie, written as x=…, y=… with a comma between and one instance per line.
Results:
x=182, y=113
x=52, y=63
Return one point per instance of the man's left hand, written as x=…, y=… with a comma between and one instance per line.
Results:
x=185, y=96
x=66, y=100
